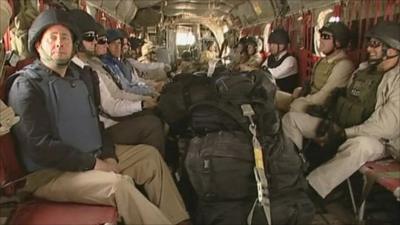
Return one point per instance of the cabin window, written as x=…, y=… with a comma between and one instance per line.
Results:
x=267, y=31
x=185, y=36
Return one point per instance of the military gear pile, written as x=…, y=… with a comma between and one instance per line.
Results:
x=220, y=157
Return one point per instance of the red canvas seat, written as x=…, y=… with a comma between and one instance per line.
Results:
x=46, y=212
x=385, y=172
x=42, y=212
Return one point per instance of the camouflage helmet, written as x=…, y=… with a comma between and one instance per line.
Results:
x=114, y=34
x=186, y=55
x=136, y=42
x=123, y=32
x=386, y=32
x=252, y=41
x=45, y=20
x=279, y=36
x=340, y=32
x=100, y=30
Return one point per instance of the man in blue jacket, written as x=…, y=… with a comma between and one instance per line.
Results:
x=62, y=144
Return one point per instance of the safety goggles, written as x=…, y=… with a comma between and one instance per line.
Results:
x=374, y=44
x=326, y=36
x=102, y=40
x=89, y=36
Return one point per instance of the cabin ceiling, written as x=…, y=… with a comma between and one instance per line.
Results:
x=232, y=12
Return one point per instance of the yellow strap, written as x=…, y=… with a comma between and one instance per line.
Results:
x=258, y=158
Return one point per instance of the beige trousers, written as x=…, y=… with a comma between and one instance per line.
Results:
x=352, y=154
x=139, y=164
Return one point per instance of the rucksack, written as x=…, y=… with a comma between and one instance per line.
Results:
x=177, y=96
x=220, y=159
x=224, y=112
x=220, y=168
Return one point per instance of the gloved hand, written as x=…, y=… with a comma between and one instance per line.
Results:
x=332, y=140
x=322, y=128
x=317, y=111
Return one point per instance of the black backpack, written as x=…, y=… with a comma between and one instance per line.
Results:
x=223, y=112
x=220, y=159
x=220, y=168
x=178, y=95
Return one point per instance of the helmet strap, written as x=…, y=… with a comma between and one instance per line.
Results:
x=391, y=57
x=46, y=57
x=386, y=57
x=331, y=51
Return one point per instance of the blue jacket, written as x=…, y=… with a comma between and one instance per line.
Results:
x=55, y=131
x=123, y=75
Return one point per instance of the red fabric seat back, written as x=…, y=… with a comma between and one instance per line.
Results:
x=10, y=168
x=41, y=212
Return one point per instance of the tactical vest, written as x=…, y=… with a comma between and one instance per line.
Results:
x=70, y=104
x=321, y=73
x=360, y=99
x=273, y=63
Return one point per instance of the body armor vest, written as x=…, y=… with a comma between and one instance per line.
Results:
x=321, y=73
x=71, y=108
x=360, y=98
x=273, y=63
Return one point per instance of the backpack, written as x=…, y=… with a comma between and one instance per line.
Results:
x=177, y=96
x=224, y=112
x=220, y=168
x=220, y=159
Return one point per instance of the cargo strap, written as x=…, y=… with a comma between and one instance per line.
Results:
x=259, y=172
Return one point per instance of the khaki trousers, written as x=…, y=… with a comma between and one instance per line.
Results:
x=140, y=128
x=298, y=125
x=141, y=165
x=352, y=154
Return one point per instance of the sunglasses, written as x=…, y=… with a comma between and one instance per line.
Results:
x=102, y=40
x=89, y=36
x=374, y=44
x=326, y=36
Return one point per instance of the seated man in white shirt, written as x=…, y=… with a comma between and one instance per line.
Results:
x=280, y=63
x=122, y=113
